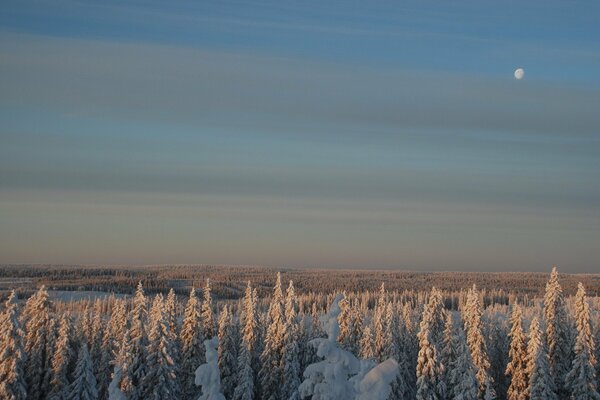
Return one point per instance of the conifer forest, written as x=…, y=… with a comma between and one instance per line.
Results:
x=385, y=342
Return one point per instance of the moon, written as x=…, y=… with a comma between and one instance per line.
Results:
x=519, y=73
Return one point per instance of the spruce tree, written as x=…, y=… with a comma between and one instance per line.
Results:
x=476, y=342
x=110, y=346
x=367, y=350
x=160, y=381
x=37, y=330
x=62, y=361
x=192, y=348
x=541, y=384
x=246, y=388
x=291, y=356
x=557, y=333
x=582, y=377
x=84, y=382
x=271, y=373
x=137, y=369
x=208, y=318
x=461, y=382
x=12, y=353
x=516, y=368
x=227, y=354
x=430, y=371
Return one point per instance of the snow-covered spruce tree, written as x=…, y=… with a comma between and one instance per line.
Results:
x=557, y=333
x=171, y=315
x=246, y=388
x=436, y=316
x=291, y=356
x=62, y=361
x=36, y=342
x=192, y=348
x=316, y=330
x=340, y=375
x=110, y=346
x=208, y=376
x=344, y=338
x=379, y=324
x=541, y=384
x=516, y=368
x=367, y=351
x=271, y=372
x=581, y=378
x=461, y=383
x=160, y=381
x=97, y=331
x=450, y=348
x=121, y=384
x=137, y=368
x=207, y=314
x=474, y=330
x=430, y=371
x=84, y=382
x=405, y=385
x=227, y=352
x=12, y=354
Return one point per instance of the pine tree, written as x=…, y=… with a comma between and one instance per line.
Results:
x=475, y=340
x=62, y=361
x=227, y=354
x=541, y=384
x=160, y=382
x=271, y=373
x=516, y=368
x=557, y=333
x=84, y=383
x=12, y=353
x=36, y=343
x=192, y=348
x=291, y=356
x=582, y=377
x=208, y=318
x=430, y=371
x=137, y=369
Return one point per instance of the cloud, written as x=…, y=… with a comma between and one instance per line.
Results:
x=156, y=82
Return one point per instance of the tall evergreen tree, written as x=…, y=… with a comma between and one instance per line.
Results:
x=84, y=382
x=121, y=384
x=208, y=317
x=227, y=354
x=367, y=351
x=246, y=388
x=62, y=361
x=582, y=377
x=474, y=329
x=271, y=373
x=12, y=353
x=160, y=381
x=541, y=384
x=557, y=333
x=461, y=383
x=110, y=346
x=192, y=348
x=137, y=369
x=36, y=344
x=517, y=366
x=430, y=371
x=291, y=352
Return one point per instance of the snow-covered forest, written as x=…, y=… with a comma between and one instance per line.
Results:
x=373, y=344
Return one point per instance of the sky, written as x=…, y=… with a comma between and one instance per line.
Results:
x=359, y=134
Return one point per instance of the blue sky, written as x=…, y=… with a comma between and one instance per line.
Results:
x=331, y=133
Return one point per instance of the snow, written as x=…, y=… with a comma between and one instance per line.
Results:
x=208, y=375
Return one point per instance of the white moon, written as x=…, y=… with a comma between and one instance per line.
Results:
x=519, y=73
